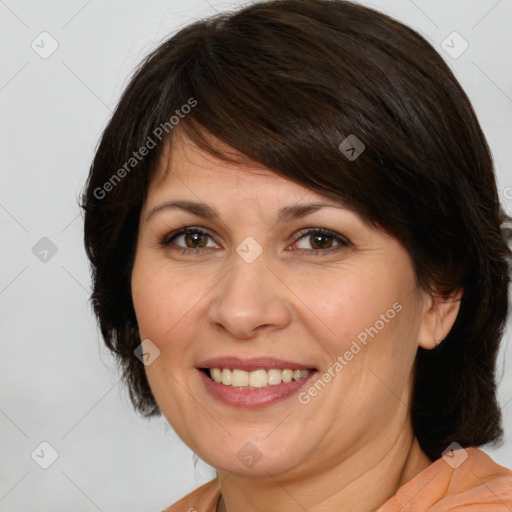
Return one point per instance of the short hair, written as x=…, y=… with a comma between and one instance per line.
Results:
x=285, y=82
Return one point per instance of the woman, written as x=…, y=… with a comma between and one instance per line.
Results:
x=298, y=258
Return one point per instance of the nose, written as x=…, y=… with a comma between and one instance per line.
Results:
x=248, y=300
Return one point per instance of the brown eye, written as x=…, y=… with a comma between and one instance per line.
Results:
x=187, y=239
x=321, y=240
x=193, y=240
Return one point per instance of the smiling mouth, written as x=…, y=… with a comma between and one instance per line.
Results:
x=262, y=378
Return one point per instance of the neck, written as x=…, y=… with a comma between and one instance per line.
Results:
x=361, y=483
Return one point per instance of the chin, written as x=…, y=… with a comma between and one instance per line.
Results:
x=245, y=458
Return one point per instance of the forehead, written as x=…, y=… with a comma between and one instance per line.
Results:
x=185, y=168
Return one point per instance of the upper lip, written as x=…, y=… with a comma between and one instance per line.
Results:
x=253, y=363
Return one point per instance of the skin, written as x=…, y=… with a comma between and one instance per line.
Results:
x=352, y=446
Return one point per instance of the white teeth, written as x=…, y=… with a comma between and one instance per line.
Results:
x=287, y=375
x=256, y=379
x=225, y=376
x=240, y=378
x=216, y=374
x=274, y=376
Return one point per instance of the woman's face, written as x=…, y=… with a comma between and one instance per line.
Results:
x=259, y=286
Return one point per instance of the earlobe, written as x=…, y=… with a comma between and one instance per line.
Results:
x=439, y=315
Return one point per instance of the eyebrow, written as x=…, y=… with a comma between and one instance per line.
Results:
x=207, y=212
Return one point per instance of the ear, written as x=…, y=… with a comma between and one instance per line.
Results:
x=439, y=314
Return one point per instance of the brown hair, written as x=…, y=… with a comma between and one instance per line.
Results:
x=284, y=82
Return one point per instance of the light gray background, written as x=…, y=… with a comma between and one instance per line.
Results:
x=58, y=383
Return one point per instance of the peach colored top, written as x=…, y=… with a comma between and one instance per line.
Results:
x=478, y=484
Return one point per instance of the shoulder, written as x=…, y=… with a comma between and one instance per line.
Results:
x=203, y=499
x=465, y=480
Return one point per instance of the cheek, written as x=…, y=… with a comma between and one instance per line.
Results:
x=150, y=303
x=162, y=298
x=351, y=304
x=164, y=293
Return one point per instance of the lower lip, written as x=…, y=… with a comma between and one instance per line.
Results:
x=253, y=398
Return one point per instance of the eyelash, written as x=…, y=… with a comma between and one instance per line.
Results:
x=342, y=242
